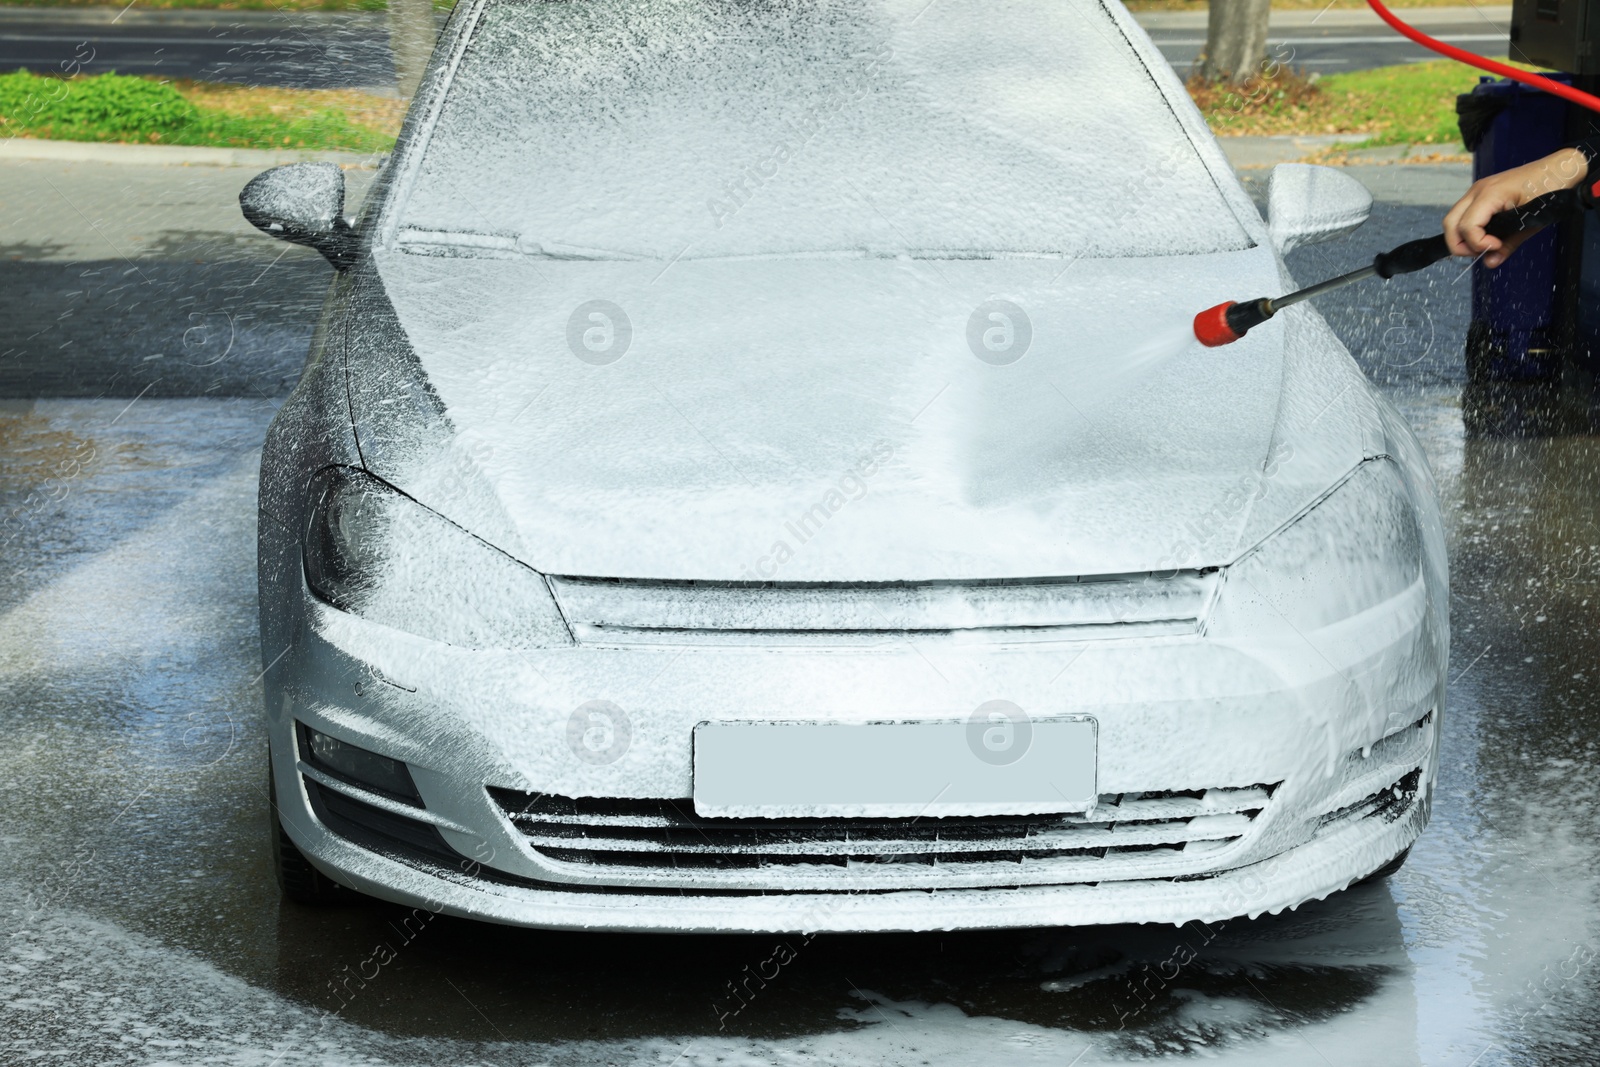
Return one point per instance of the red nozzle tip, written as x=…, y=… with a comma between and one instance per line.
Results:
x=1211, y=326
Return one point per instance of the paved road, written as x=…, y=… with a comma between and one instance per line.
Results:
x=1328, y=42
x=139, y=923
x=352, y=50
x=117, y=280
x=295, y=50
x=1330, y=51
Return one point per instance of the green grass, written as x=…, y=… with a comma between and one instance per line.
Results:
x=1413, y=103
x=115, y=107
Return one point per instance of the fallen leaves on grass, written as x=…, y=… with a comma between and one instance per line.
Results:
x=1283, y=101
x=1412, y=103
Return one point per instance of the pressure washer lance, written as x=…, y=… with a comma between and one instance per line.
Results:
x=1226, y=323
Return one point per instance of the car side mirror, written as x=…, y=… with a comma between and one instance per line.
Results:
x=302, y=203
x=1307, y=204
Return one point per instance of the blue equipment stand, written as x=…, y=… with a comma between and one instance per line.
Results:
x=1533, y=349
x=1514, y=359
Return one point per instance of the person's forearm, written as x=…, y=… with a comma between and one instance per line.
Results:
x=1464, y=226
x=1568, y=166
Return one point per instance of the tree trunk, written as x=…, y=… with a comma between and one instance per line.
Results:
x=1236, y=39
x=411, y=37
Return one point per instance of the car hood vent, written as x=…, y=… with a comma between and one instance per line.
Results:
x=621, y=611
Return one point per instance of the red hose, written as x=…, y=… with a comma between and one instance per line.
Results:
x=1538, y=81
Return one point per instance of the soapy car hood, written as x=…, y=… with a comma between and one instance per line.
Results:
x=847, y=419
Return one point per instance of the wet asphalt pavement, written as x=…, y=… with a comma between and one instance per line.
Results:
x=140, y=920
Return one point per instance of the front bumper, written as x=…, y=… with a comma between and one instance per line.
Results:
x=1344, y=747
x=1325, y=865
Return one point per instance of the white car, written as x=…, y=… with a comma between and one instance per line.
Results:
x=754, y=473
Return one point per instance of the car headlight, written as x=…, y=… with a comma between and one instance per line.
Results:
x=376, y=553
x=1359, y=549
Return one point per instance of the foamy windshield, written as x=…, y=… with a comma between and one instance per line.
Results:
x=663, y=129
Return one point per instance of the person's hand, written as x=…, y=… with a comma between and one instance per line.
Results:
x=1464, y=224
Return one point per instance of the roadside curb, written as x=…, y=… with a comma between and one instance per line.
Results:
x=1253, y=153
x=175, y=155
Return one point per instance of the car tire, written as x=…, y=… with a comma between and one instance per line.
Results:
x=299, y=881
x=1388, y=868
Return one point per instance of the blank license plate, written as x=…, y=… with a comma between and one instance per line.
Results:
x=987, y=767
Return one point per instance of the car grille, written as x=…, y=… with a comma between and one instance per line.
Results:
x=1128, y=835
x=628, y=611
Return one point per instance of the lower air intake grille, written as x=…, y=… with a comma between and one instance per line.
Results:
x=377, y=830
x=665, y=836
x=1388, y=803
